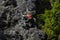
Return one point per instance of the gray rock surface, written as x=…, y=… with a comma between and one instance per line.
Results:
x=14, y=20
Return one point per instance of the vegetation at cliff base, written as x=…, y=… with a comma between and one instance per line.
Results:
x=51, y=18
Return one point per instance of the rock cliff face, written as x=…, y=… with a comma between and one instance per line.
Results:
x=13, y=26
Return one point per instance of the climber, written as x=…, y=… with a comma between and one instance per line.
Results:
x=31, y=21
x=29, y=15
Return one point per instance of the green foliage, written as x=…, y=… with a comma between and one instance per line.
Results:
x=59, y=37
x=52, y=20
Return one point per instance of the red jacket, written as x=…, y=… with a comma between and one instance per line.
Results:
x=29, y=16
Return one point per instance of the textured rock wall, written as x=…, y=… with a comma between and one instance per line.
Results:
x=13, y=25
